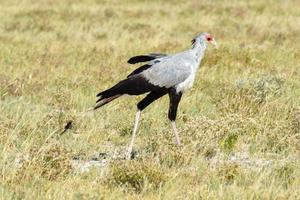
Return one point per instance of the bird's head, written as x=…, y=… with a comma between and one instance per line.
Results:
x=204, y=39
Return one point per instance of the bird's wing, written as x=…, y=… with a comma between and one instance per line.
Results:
x=169, y=72
x=145, y=58
x=152, y=58
x=139, y=70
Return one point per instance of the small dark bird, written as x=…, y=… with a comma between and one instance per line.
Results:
x=162, y=74
x=67, y=127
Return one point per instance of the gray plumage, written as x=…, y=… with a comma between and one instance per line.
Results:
x=177, y=70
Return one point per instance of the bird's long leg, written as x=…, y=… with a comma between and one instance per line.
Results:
x=154, y=95
x=174, y=101
x=176, y=133
x=136, y=122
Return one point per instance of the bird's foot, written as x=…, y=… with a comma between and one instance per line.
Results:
x=128, y=156
x=179, y=145
x=177, y=142
x=131, y=155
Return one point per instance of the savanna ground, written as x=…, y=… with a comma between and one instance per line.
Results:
x=240, y=124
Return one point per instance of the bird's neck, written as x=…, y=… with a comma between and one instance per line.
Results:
x=198, y=50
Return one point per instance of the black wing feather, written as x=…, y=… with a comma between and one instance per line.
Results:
x=145, y=58
x=139, y=70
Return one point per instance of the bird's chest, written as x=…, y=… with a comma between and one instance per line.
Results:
x=187, y=84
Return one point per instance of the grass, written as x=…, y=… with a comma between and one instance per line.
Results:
x=56, y=55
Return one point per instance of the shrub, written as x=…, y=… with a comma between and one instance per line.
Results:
x=137, y=174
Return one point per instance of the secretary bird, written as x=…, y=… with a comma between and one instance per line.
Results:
x=163, y=74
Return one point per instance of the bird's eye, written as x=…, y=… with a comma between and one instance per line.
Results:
x=209, y=38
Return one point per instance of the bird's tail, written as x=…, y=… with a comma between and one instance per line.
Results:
x=102, y=101
x=134, y=85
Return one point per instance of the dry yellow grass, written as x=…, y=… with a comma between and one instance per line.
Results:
x=240, y=123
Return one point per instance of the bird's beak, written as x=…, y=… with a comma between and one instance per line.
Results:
x=213, y=42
